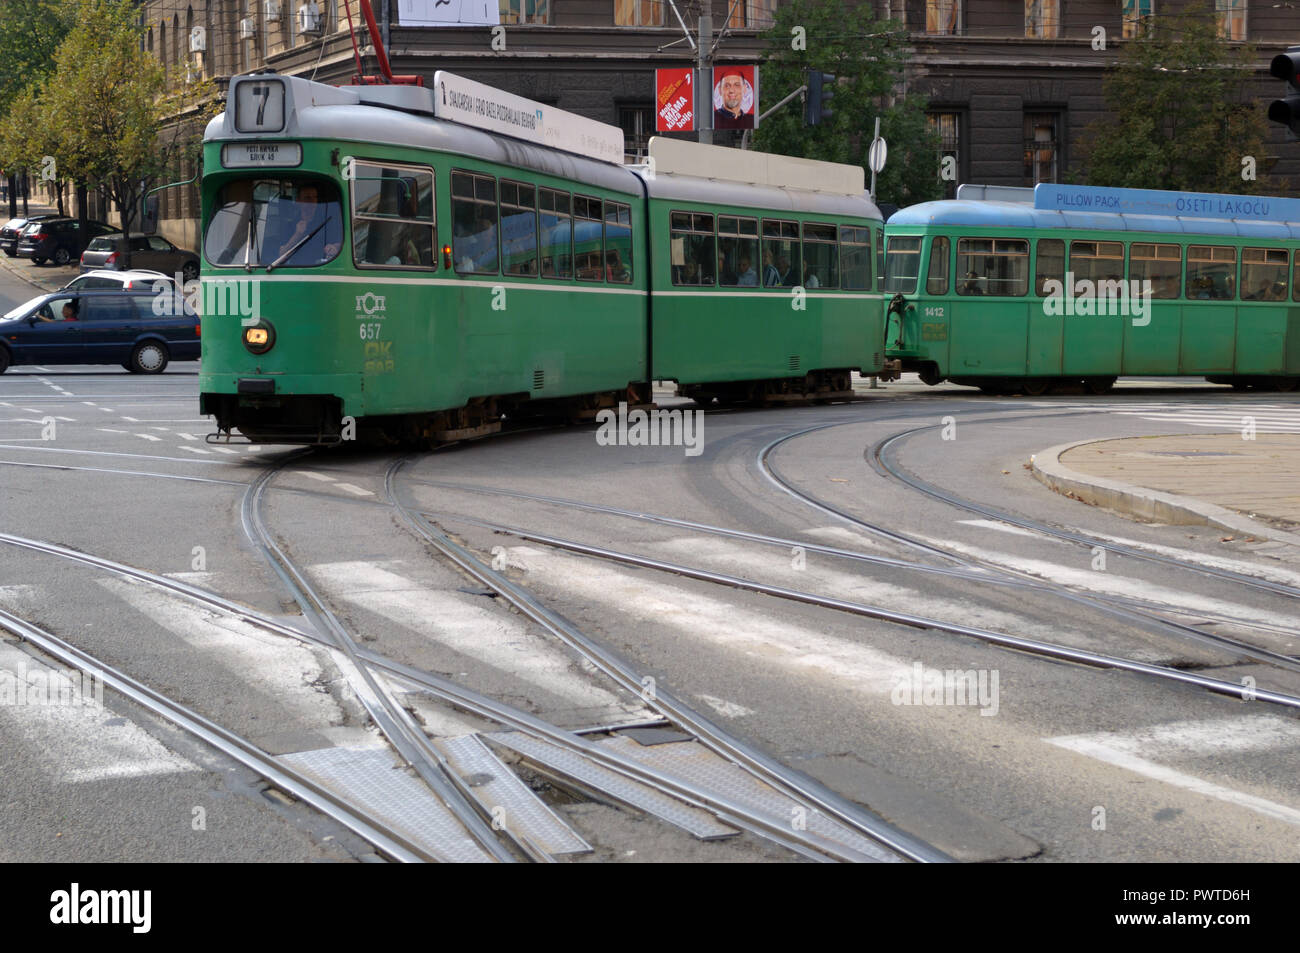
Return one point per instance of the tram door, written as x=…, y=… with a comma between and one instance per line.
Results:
x=990, y=321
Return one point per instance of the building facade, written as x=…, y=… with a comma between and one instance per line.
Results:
x=1012, y=84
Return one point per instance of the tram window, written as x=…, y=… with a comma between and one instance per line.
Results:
x=1050, y=266
x=692, y=244
x=993, y=266
x=1263, y=274
x=1162, y=265
x=1211, y=272
x=936, y=279
x=880, y=252
x=618, y=242
x=557, y=234
x=820, y=257
x=474, y=223
x=588, y=248
x=256, y=221
x=519, y=227
x=1101, y=264
x=781, y=254
x=738, y=260
x=855, y=257
x=902, y=265
x=392, y=216
x=1295, y=277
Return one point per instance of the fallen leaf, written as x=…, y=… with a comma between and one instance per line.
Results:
x=1006, y=471
x=838, y=480
x=1226, y=539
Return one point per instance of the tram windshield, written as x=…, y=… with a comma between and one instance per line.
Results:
x=275, y=222
x=902, y=265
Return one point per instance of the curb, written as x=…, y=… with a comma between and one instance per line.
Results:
x=1132, y=500
x=13, y=270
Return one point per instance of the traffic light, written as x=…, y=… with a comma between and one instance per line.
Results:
x=821, y=89
x=1287, y=111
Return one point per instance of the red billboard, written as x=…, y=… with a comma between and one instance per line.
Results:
x=675, y=100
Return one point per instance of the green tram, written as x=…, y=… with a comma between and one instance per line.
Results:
x=1008, y=289
x=426, y=261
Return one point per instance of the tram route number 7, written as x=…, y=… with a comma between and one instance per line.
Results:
x=370, y=331
x=265, y=92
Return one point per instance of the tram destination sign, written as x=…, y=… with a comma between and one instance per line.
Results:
x=1087, y=198
x=474, y=104
x=243, y=155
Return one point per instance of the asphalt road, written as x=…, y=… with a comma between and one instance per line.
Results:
x=1048, y=761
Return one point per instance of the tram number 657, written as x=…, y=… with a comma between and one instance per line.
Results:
x=370, y=332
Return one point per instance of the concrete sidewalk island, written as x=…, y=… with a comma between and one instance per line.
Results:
x=1249, y=487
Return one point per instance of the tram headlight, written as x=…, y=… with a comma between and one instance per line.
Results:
x=260, y=337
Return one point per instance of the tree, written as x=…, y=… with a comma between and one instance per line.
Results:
x=30, y=32
x=867, y=56
x=1182, y=112
x=117, y=128
x=28, y=139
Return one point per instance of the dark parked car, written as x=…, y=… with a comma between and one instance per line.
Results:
x=11, y=229
x=59, y=239
x=100, y=327
x=147, y=251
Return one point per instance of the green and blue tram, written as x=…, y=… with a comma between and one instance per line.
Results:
x=1009, y=289
x=424, y=262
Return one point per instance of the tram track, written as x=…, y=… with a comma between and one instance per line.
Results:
x=504, y=714
x=1120, y=609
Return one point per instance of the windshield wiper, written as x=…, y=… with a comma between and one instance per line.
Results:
x=252, y=237
x=302, y=241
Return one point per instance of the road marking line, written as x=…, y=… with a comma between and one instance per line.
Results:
x=1117, y=749
x=110, y=430
x=193, y=449
x=148, y=436
x=356, y=490
x=315, y=476
x=725, y=708
x=221, y=450
x=1006, y=528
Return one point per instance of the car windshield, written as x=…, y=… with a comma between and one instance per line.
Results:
x=24, y=308
x=101, y=244
x=259, y=221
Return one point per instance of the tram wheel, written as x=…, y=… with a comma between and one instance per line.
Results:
x=1286, y=384
x=930, y=375
x=1098, y=385
x=1036, y=386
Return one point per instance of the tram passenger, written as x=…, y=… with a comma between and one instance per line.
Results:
x=787, y=272
x=971, y=286
x=810, y=278
x=771, y=277
x=747, y=277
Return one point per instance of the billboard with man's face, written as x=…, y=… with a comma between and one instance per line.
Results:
x=735, y=97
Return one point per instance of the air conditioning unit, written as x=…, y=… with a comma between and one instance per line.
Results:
x=309, y=19
x=198, y=40
x=247, y=29
x=272, y=11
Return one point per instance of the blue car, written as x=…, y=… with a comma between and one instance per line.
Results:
x=141, y=331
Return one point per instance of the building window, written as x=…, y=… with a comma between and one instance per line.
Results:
x=942, y=17
x=525, y=11
x=639, y=12
x=1137, y=17
x=948, y=128
x=754, y=14
x=1232, y=18
x=1043, y=19
x=638, y=125
x=1042, y=147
